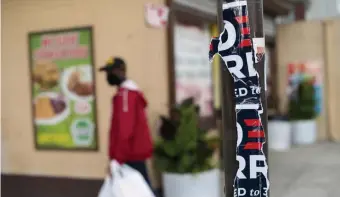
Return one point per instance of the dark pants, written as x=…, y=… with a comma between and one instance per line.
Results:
x=140, y=166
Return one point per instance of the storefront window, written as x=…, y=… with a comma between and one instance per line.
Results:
x=193, y=72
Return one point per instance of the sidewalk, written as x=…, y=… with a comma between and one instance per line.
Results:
x=312, y=171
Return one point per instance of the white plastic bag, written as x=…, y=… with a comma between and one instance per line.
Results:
x=125, y=182
x=106, y=189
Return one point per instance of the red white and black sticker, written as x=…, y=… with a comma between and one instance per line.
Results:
x=240, y=52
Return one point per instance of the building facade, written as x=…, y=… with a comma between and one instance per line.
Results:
x=119, y=29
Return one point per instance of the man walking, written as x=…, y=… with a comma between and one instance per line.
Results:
x=129, y=140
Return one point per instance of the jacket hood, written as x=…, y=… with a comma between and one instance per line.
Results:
x=132, y=86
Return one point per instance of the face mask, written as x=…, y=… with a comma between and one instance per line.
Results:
x=113, y=79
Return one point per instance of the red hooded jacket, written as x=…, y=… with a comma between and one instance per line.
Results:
x=130, y=138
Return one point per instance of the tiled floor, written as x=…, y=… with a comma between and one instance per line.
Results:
x=312, y=171
x=309, y=171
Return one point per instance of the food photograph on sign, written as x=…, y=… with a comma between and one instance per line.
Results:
x=63, y=89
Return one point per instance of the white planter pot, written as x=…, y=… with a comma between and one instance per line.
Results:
x=304, y=132
x=279, y=135
x=205, y=184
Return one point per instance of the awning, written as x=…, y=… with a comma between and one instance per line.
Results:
x=278, y=7
x=271, y=7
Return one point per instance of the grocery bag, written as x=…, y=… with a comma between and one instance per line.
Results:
x=106, y=189
x=125, y=182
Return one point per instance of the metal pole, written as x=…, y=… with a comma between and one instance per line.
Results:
x=229, y=133
x=244, y=127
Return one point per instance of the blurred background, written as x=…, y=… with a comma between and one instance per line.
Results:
x=60, y=149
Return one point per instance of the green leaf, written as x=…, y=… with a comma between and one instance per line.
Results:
x=170, y=148
x=303, y=106
x=190, y=151
x=162, y=163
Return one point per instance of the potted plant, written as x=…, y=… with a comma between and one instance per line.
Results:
x=280, y=133
x=184, y=155
x=302, y=113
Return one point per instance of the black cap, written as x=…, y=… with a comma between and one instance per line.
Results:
x=112, y=63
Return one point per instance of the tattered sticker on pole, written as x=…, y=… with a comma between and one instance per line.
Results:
x=241, y=52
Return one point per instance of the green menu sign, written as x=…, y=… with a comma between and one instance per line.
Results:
x=62, y=78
